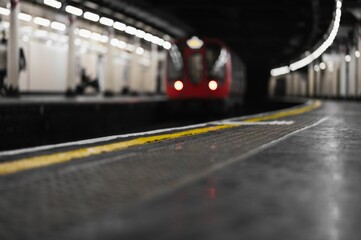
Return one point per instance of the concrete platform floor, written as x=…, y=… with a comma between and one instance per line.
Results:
x=293, y=174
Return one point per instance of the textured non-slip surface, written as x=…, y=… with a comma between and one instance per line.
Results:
x=228, y=184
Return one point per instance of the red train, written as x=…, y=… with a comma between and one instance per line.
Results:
x=204, y=69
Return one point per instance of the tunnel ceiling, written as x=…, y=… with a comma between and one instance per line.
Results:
x=269, y=32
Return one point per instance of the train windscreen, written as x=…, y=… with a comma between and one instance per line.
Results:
x=195, y=67
x=175, y=63
x=216, y=58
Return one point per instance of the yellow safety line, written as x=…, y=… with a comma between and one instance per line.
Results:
x=286, y=113
x=62, y=157
x=41, y=161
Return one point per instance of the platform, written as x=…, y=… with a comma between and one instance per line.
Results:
x=48, y=119
x=289, y=174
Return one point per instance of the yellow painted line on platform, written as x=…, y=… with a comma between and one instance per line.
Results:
x=62, y=157
x=286, y=113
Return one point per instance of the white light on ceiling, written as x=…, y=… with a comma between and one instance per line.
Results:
x=322, y=66
x=155, y=39
x=148, y=37
x=74, y=10
x=139, y=50
x=316, y=68
x=119, y=26
x=85, y=33
x=106, y=21
x=4, y=11
x=357, y=54
x=58, y=26
x=122, y=44
x=167, y=45
x=130, y=30
x=160, y=41
x=114, y=42
x=348, y=58
x=117, y=43
x=104, y=39
x=25, y=17
x=321, y=49
x=42, y=21
x=53, y=3
x=96, y=36
x=140, y=33
x=91, y=16
x=280, y=71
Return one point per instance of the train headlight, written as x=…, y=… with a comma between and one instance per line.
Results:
x=213, y=85
x=178, y=85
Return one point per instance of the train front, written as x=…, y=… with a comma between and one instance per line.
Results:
x=198, y=69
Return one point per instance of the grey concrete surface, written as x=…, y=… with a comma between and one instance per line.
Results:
x=230, y=184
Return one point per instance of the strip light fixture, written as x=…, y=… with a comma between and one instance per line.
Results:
x=318, y=52
x=25, y=17
x=74, y=10
x=42, y=21
x=53, y=3
x=4, y=11
x=86, y=33
x=91, y=16
x=106, y=21
x=58, y=26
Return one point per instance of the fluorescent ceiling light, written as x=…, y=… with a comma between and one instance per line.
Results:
x=280, y=71
x=53, y=3
x=4, y=11
x=357, y=54
x=106, y=21
x=130, y=30
x=155, y=39
x=74, y=10
x=104, y=39
x=96, y=36
x=148, y=37
x=140, y=33
x=58, y=26
x=114, y=42
x=91, y=16
x=348, y=58
x=85, y=33
x=160, y=41
x=139, y=51
x=122, y=44
x=167, y=45
x=319, y=51
x=119, y=26
x=42, y=21
x=25, y=17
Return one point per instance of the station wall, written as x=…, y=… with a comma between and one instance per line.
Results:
x=46, y=53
